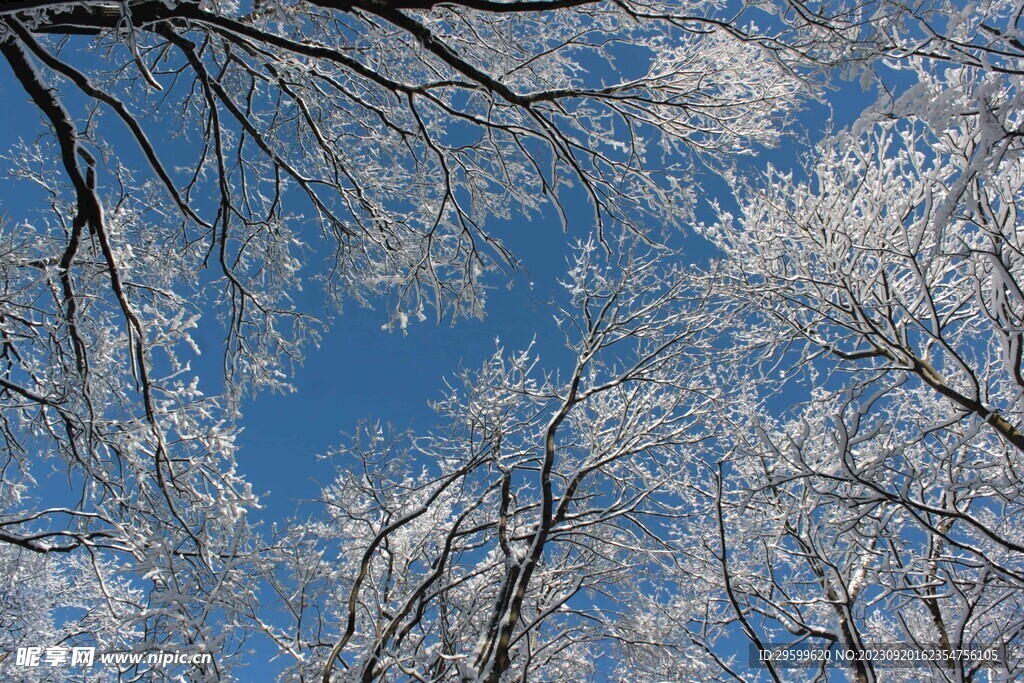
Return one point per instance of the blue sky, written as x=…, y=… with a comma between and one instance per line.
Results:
x=363, y=371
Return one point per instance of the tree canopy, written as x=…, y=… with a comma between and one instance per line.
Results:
x=815, y=434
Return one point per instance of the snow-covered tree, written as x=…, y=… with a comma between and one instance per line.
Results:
x=883, y=285
x=219, y=155
x=521, y=541
x=848, y=471
x=637, y=514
